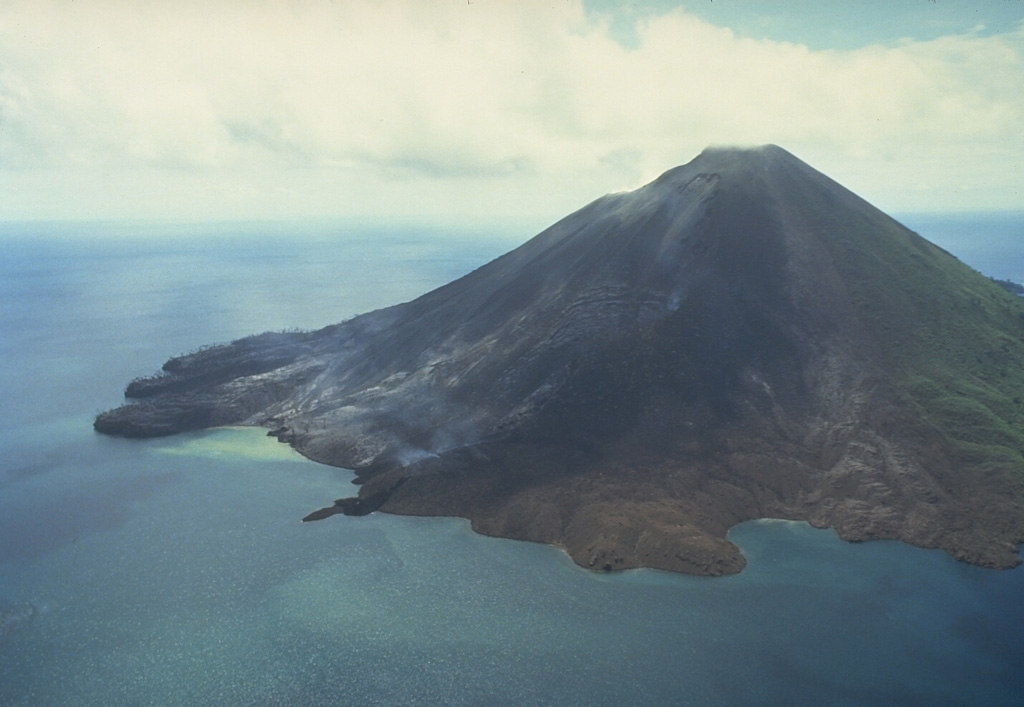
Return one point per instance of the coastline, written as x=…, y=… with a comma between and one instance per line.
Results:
x=601, y=536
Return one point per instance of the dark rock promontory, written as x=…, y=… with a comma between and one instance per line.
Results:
x=741, y=338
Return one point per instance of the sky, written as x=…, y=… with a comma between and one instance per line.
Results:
x=492, y=111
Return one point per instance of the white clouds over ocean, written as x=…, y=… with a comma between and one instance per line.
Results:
x=444, y=110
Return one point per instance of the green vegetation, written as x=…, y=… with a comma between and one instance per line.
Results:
x=1010, y=286
x=954, y=340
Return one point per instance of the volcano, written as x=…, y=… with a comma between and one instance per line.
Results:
x=741, y=338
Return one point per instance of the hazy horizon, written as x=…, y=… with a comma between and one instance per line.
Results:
x=426, y=222
x=491, y=112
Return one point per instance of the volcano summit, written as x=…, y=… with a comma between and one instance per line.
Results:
x=741, y=338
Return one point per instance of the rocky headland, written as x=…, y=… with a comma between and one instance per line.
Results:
x=741, y=338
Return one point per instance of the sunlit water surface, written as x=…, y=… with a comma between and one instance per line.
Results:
x=176, y=571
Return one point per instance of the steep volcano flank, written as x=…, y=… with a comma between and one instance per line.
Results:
x=950, y=341
x=723, y=326
x=741, y=338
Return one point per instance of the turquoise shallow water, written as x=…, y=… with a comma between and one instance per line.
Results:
x=176, y=571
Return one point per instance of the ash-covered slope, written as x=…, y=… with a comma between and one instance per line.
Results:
x=741, y=338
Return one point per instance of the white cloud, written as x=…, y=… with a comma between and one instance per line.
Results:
x=409, y=108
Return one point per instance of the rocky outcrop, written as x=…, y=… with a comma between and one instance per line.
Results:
x=741, y=338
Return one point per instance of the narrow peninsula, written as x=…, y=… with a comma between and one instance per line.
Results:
x=741, y=338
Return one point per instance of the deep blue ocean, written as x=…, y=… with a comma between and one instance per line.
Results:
x=176, y=571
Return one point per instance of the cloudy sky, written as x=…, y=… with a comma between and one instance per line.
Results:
x=492, y=110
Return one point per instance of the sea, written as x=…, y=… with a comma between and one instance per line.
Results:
x=176, y=571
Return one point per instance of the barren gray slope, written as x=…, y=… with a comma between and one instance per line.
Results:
x=715, y=346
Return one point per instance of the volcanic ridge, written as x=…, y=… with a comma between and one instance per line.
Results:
x=741, y=338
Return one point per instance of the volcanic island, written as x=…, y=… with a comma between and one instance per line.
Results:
x=741, y=338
